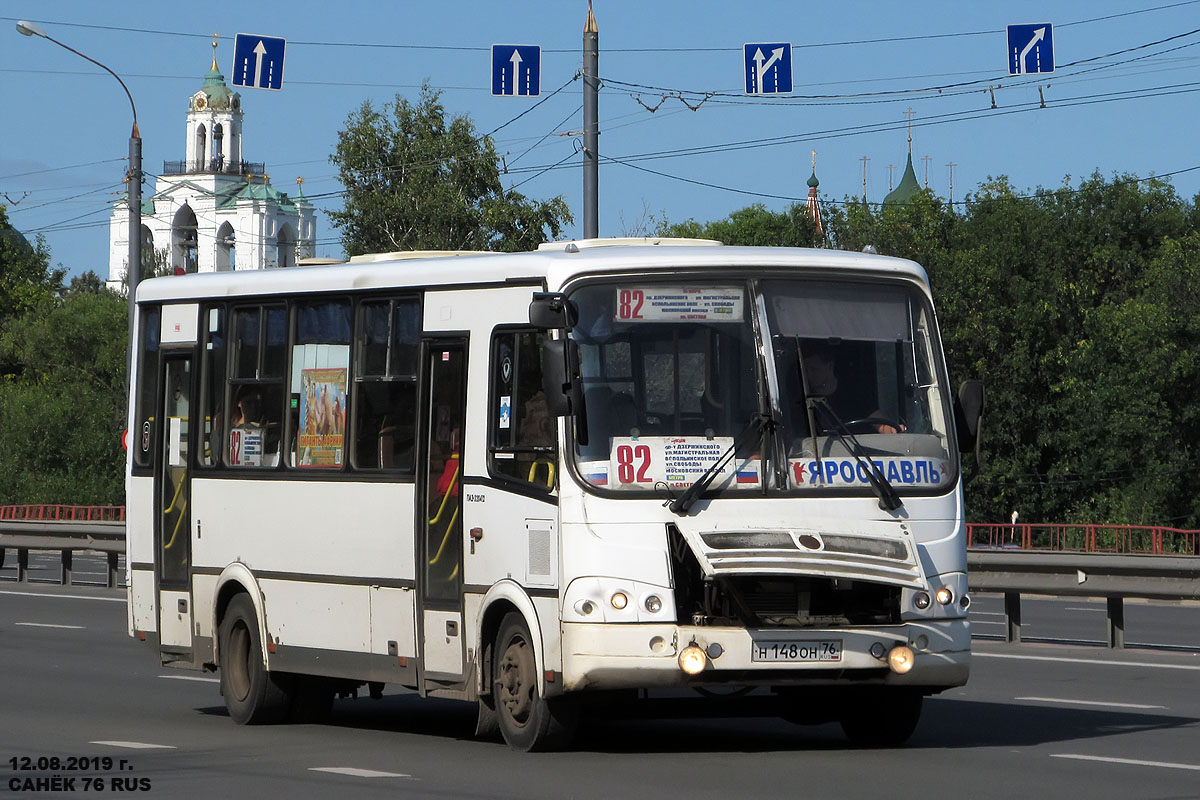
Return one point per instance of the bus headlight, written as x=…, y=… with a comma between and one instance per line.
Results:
x=900, y=659
x=653, y=604
x=619, y=600
x=921, y=600
x=693, y=659
x=944, y=596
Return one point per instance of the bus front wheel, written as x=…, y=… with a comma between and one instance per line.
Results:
x=253, y=695
x=882, y=717
x=527, y=720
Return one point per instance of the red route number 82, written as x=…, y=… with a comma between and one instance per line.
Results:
x=629, y=303
x=627, y=470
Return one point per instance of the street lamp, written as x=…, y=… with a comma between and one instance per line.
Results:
x=134, y=270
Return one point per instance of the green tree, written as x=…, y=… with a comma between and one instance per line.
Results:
x=753, y=225
x=416, y=180
x=62, y=408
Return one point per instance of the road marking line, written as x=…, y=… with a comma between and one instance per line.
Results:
x=1081, y=608
x=359, y=773
x=137, y=745
x=974, y=614
x=49, y=625
x=1102, y=662
x=66, y=596
x=190, y=678
x=1133, y=761
x=1086, y=702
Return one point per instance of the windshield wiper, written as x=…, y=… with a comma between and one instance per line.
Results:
x=889, y=499
x=758, y=423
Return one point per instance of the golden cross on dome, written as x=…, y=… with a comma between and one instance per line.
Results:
x=214, y=64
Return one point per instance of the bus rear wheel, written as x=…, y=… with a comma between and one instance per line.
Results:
x=253, y=695
x=527, y=720
x=881, y=717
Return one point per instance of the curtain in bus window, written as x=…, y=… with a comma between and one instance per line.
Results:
x=842, y=311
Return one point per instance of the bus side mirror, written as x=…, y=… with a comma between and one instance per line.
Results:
x=562, y=383
x=552, y=311
x=968, y=416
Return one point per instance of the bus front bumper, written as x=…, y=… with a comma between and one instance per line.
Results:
x=625, y=656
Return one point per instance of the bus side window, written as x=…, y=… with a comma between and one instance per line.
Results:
x=212, y=385
x=387, y=338
x=255, y=414
x=319, y=385
x=141, y=437
x=522, y=430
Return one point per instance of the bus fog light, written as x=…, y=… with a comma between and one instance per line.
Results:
x=585, y=607
x=944, y=596
x=901, y=659
x=693, y=660
x=619, y=600
x=878, y=650
x=921, y=600
x=654, y=604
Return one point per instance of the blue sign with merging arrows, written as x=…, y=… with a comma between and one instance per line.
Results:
x=768, y=68
x=1030, y=49
x=516, y=70
x=258, y=61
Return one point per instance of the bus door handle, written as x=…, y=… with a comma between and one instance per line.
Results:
x=476, y=535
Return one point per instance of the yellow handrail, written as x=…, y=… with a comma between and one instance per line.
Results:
x=449, y=492
x=549, y=471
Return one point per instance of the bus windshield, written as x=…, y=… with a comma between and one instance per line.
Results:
x=673, y=377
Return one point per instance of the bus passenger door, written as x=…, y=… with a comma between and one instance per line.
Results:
x=440, y=514
x=173, y=539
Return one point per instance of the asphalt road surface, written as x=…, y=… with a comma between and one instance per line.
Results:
x=1036, y=720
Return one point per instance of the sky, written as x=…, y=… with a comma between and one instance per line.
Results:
x=679, y=137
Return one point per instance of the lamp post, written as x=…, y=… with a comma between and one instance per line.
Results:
x=134, y=270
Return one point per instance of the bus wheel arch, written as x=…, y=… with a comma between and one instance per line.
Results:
x=504, y=598
x=237, y=579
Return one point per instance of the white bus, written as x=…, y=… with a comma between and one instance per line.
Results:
x=530, y=480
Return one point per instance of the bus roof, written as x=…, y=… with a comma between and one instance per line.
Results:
x=551, y=267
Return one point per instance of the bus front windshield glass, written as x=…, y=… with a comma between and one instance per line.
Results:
x=674, y=382
x=857, y=384
x=670, y=380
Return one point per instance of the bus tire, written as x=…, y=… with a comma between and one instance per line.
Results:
x=253, y=695
x=881, y=717
x=527, y=720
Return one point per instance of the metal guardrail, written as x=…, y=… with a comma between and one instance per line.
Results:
x=66, y=538
x=1113, y=577
x=1060, y=538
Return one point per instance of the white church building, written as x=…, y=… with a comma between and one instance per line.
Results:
x=214, y=211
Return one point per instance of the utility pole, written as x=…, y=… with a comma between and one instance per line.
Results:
x=591, y=126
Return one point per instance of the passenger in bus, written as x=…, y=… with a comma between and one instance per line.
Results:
x=249, y=408
x=821, y=371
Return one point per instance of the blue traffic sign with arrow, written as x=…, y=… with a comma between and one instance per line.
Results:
x=768, y=68
x=516, y=70
x=258, y=61
x=1030, y=48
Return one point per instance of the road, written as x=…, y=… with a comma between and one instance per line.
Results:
x=1036, y=720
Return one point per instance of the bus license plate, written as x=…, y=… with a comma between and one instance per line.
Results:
x=822, y=650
